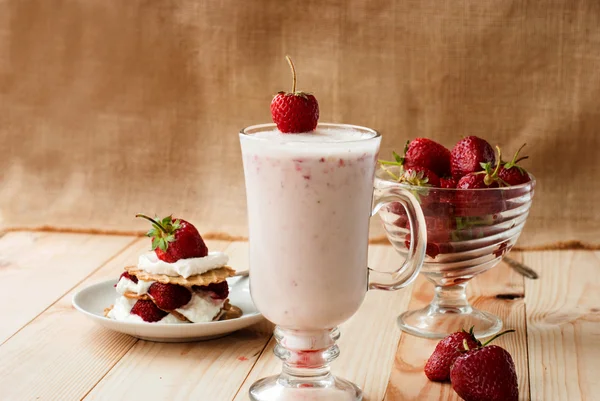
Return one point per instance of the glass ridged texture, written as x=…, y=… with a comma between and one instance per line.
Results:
x=468, y=232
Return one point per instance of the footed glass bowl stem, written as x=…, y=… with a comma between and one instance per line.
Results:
x=448, y=312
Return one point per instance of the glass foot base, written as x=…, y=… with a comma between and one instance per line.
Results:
x=282, y=388
x=431, y=322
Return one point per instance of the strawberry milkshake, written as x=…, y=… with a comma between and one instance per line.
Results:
x=309, y=203
x=309, y=190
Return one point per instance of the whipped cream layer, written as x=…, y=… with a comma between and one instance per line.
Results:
x=201, y=308
x=183, y=267
x=125, y=285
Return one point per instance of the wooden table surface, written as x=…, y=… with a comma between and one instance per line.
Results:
x=49, y=351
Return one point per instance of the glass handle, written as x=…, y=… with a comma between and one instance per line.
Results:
x=391, y=281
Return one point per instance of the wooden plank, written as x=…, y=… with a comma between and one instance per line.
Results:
x=211, y=370
x=408, y=381
x=36, y=269
x=61, y=354
x=563, y=324
x=368, y=340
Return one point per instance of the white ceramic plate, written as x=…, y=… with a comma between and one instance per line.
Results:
x=92, y=300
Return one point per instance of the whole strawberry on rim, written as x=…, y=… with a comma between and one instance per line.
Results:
x=296, y=111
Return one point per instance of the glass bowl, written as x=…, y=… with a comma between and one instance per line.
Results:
x=468, y=232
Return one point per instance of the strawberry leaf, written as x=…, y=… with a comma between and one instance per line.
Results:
x=162, y=231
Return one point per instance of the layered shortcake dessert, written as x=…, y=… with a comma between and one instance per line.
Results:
x=179, y=281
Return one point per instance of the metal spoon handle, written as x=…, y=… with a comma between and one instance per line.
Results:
x=242, y=273
x=521, y=268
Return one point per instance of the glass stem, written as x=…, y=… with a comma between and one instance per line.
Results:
x=451, y=299
x=306, y=356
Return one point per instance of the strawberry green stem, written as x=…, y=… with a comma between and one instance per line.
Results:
x=496, y=336
x=465, y=345
x=520, y=159
x=289, y=60
x=515, y=159
x=156, y=223
x=519, y=151
x=488, y=179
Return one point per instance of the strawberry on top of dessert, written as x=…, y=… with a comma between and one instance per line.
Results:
x=178, y=281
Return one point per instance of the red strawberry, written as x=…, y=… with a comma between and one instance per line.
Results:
x=468, y=155
x=477, y=203
x=217, y=290
x=476, y=181
x=129, y=277
x=432, y=249
x=448, y=182
x=148, y=311
x=169, y=296
x=511, y=174
x=420, y=176
x=174, y=239
x=423, y=152
x=485, y=374
x=446, y=351
x=294, y=112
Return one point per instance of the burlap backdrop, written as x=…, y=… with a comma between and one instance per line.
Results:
x=108, y=108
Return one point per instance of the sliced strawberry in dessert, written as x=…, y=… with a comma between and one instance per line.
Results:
x=129, y=277
x=148, y=311
x=174, y=239
x=294, y=112
x=216, y=290
x=169, y=296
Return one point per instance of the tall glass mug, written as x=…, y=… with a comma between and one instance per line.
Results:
x=310, y=197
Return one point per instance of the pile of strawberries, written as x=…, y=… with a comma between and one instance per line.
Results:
x=478, y=372
x=472, y=164
x=454, y=215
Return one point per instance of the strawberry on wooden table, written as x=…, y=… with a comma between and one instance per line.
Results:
x=174, y=239
x=478, y=372
x=295, y=111
x=446, y=351
x=485, y=373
